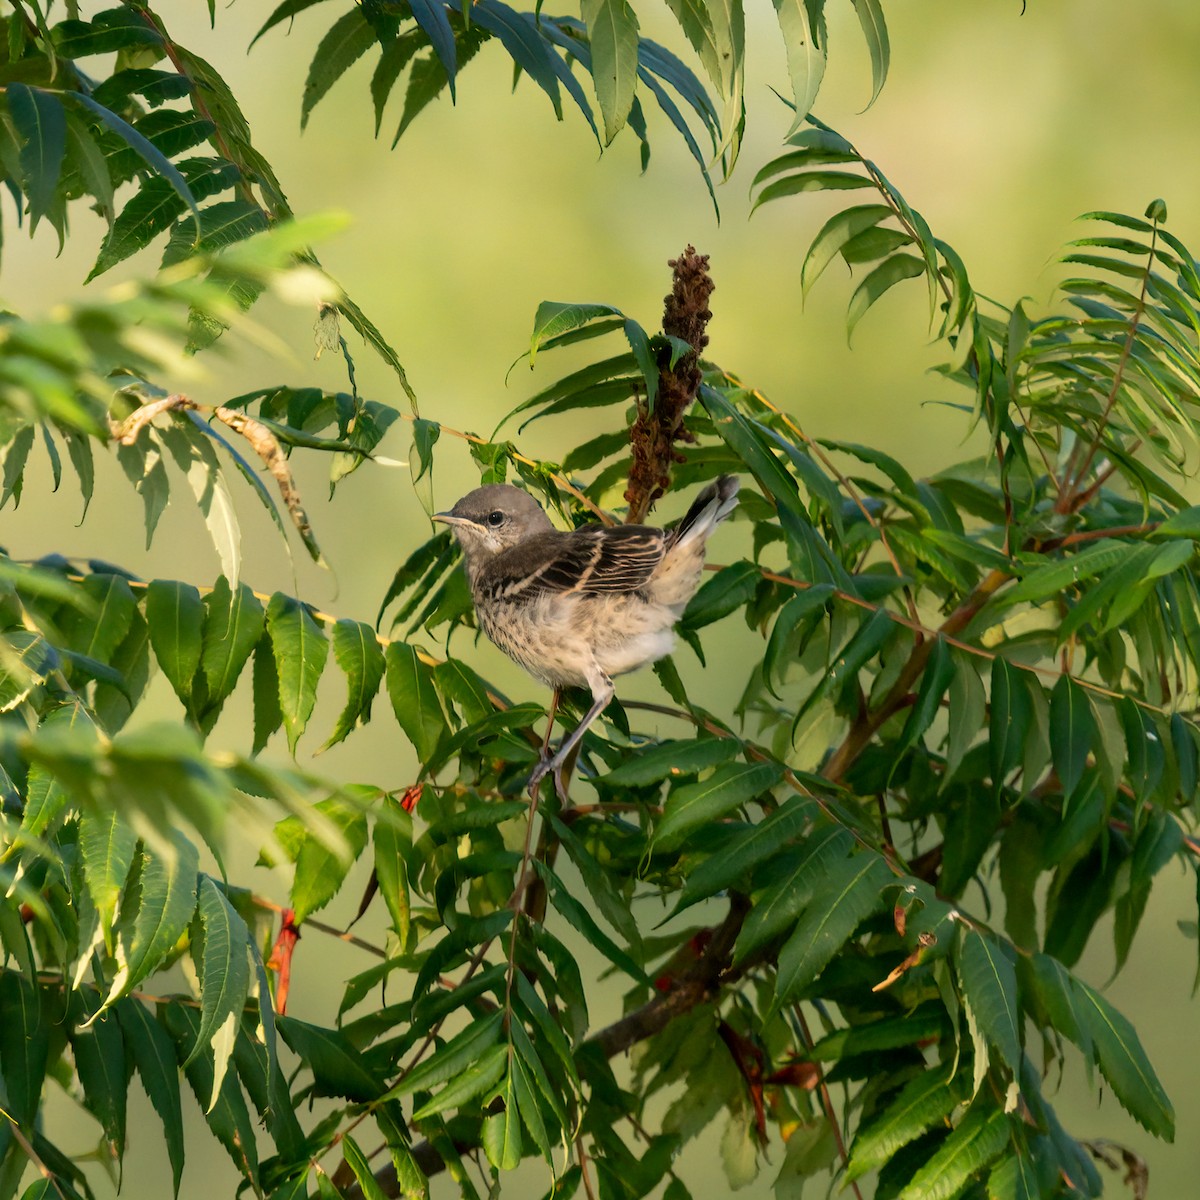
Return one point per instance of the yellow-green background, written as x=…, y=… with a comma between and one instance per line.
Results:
x=1001, y=127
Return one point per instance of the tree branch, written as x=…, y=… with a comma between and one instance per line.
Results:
x=700, y=982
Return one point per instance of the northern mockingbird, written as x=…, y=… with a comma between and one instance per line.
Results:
x=574, y=609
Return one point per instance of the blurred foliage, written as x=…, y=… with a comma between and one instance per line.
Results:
x=986, y=678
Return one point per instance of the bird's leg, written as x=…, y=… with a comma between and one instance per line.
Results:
x=544, y=763
x=554, y=702
x=602, y=692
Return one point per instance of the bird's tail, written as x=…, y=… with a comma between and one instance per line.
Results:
x=708, y=510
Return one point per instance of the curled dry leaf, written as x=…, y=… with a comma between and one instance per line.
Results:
x=264, y=443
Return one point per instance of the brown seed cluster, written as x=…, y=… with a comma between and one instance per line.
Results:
x=653, y=435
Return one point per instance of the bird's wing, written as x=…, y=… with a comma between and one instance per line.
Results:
x=589, y=561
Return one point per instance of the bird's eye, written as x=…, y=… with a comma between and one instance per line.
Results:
x=495, y=519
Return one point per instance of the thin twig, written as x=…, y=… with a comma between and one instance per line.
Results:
x=581, y=1156
x=826, y=1099
x=321, y=927
x=1069, y=500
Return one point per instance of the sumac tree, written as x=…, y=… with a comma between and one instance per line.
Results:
x=986, y=676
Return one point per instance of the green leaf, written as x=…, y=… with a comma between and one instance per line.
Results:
x=890, y=272
x=338, y=1066
x=1009, y=720
x=810, y=181
x=925, y=1101
x=224, y=970
x=609, y=900
x=358, y=1162
x=1184, y=524
x=1187, y=756
x=529, y=1080
x=937, y=677
x=639, y=343
x=98, y=1047
x=978, y=1140
x=796, y=618
x=393, y=840
x=228, y=1117
x=221, y=225
x=321, y=867
x=268, y=716
x=1124, y=1064
x=738, y=856
x=834, y=234
x=98, y=632
x=1054, y=578
x=153, y=1056
x=175, y=615
x=1164, y=561
x=968, y=710
x=874, y=244
x=432, y=17
x=452, y=1058
x=704, y=802
x=156, y=916
x=28, y=661
x=24, y=1048
x=106, y=843
x=194, y=455
x=695, y=18
x=803, y=25
x=1014, y=1178
x=155, y=208
x=300, y=650
x=744, y=439
x=670, y=760
x=501, y=1135
x=233, y=625
x=143, y=147
x=410, y=684
x=1055, y=988
x=358, y=653
x=424, y=437
x=727, y=591
x=45, y=796
x=806, y=868
x=613, y=34
x=989, y=983
x=583, y=922
x=395, y=57
x=346, y=41
x=1072, y=732
x=874, y=27
x=521, y=37
x=481, y=1076
x=41, y=126
x=851, y=891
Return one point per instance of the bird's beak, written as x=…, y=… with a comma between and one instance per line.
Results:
x=448, y=519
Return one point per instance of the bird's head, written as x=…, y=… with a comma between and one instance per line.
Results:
x=492, y=519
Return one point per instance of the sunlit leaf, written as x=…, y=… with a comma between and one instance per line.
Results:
x=358, y=653
x=300, y=650
x=613, y=35
x=414, y=698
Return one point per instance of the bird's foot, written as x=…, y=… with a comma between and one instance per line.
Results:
x=549, y=765
x=544, y=767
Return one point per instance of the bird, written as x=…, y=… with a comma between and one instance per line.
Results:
x=578, y=608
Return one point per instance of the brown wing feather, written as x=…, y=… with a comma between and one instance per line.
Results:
x=590, y=561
